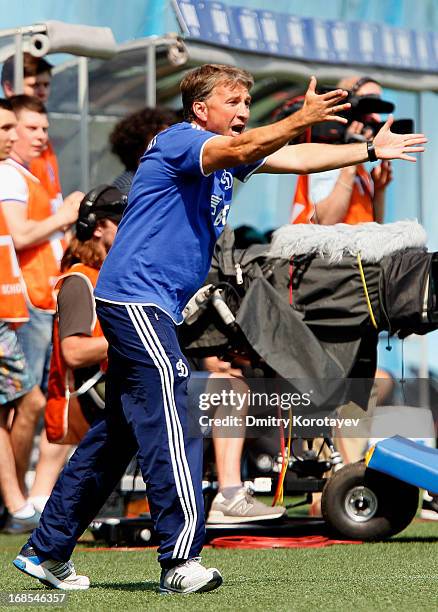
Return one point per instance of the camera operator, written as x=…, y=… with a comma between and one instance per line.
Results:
x=351, y=194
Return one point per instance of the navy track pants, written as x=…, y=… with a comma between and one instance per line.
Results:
x=146, y=413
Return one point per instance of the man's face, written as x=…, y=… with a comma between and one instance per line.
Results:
x=38, y=86
x=8, y=132
x=226, y=111
x=32, y=130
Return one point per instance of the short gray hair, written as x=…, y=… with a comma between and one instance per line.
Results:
x=198, y=84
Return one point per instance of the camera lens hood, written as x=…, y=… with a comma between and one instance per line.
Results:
x=365, y=105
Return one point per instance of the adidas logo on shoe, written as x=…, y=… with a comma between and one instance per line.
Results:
x=190, y=577
x=55, y=574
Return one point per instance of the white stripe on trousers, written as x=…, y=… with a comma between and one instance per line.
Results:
x=183, y=481
x=172, y=446
x=166, y=376
x=187, y=534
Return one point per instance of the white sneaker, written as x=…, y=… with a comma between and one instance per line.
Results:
x=429, y=508
x=189, y=577
x=241, y=508
x=16, y=525
x=55, y=574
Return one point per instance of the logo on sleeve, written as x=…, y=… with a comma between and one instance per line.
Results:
x=226, y=180
x=183, y=370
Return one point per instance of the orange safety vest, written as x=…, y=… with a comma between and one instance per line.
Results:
x=40, y=263
x=64, y=421
x=45, y=168
x=13, y=307
x=361, y=200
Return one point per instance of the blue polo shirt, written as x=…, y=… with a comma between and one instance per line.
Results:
x=163, y=247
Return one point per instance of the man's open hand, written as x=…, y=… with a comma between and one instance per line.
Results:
x=397, y=146
x=324, y=107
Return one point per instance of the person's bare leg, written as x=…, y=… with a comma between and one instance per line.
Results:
x=233, y=503
x=228, y=451
x=28, y=411
x=50, y=463
x=9, y=487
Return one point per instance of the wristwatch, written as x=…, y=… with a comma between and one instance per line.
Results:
x=371, y=151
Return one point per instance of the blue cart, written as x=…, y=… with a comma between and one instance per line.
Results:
x=377, y=498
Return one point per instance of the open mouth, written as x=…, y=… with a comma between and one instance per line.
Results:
x=237, y=129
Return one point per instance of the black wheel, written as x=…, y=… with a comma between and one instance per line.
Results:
x=361, y=504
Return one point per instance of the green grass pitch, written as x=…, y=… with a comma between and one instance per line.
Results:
x=399, y=574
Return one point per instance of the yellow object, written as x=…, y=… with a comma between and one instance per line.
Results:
x=365, y=288
x=279, y=495
x=369, y=454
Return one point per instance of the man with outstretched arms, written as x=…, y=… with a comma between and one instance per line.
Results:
x=177, y=208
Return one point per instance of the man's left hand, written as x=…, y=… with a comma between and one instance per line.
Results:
x=397, y=146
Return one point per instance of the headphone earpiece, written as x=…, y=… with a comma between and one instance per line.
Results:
x=87, y=220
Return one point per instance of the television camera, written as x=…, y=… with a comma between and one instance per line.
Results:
x=300, y=315
x=362, y=110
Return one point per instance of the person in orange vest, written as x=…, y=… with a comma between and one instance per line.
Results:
x=346, y=195
x=37, y=231
x=38, y=235
x=16, y=380
x=37, y=77
x=78, y=363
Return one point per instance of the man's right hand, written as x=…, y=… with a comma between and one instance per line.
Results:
x=69, y=210
x=323, y=107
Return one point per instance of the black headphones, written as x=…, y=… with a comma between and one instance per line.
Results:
x=362, y=81
x=87, y=219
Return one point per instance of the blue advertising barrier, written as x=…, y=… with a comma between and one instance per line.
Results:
x=329, y=41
